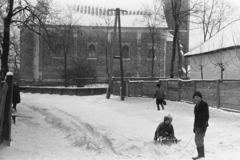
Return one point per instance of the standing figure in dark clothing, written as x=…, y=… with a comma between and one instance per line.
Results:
x=15, y=95
x=201, y=114
x=159, y=95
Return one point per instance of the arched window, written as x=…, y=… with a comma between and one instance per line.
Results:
x=92, y=50
x=125, y=52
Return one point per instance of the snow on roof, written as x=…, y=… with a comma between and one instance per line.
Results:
x=88, y=15
x=126, y=20
x=228, y=37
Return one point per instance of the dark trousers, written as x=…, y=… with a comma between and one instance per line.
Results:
x=199, y=137
x=14, y=106
x=159, y=102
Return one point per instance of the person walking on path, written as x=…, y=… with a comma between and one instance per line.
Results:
x=159, y=95
x=201, y=117
x=15, y=95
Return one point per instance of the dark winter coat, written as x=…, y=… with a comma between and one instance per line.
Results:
x=201, y=114
x=16, y=94
x=159, y=94
x=164, y=129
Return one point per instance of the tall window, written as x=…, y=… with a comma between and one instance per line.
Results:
x=92, y=50
x=151, y=52
x=125, y=51
x=58, y=53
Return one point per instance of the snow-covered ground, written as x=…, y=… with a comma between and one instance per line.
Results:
x=59, y=127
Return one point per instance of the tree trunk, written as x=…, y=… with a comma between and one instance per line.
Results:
x=174, y=49
x=6, y=39
x=221, y=73
x=65, y=70
x=153, y=56
x=179, y=58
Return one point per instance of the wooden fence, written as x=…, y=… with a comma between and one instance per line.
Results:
x=217, y=93
x=6, y=109
x=64, y=91
x=3, y=93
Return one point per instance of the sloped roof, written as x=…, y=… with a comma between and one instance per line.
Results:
x=88, y=15
x=126, y=20
x=229, y=37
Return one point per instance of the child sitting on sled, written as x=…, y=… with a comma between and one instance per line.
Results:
x=165, y=130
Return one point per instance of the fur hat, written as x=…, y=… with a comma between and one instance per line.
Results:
x=168, y=117
x=197, y=94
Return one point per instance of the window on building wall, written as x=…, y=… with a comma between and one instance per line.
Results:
x=58, y=53
x=151, y=53
x=92, y=50
x=125, y=51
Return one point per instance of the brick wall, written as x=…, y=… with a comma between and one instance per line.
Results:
x=138, y=64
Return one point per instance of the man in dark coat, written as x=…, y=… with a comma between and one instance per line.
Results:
x=165, y=128
x=15, y=95
x=201, y=114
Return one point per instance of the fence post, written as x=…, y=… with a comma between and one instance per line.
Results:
x=127, y=83
x=141, y=84
x=8, y=110
x=179, y=90
x=167, y=89
x=194, y=86
x=218, y=94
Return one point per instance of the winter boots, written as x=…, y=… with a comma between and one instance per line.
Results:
x=200, y=151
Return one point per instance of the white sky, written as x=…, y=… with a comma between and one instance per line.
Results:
x=135, y=5
x=122, y=4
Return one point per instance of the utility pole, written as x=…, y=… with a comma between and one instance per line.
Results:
x=109, y=90
x=117, y=19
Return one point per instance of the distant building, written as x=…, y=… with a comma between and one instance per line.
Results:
x=219, y=57
x=39, y=66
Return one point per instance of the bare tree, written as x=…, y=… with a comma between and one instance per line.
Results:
x=24, y=13
x=200, y=62
x=235, y=47
x=14, y=51
x=180, y=11
x=214, y=15
x=103, y=33
x=61, y=39
x=153, y=18
x=221, y=59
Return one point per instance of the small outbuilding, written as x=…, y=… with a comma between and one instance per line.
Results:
x=219, y=57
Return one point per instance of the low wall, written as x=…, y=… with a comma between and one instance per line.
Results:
x=218, y=93
x=64, y=91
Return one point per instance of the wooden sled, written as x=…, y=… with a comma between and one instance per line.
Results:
x=167, y=140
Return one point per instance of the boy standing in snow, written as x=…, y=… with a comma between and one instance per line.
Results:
x=165, y=129
x=159, y=95
x=201, y=114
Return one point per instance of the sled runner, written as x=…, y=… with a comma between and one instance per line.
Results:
x=168, y=139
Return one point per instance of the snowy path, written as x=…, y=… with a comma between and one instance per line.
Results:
x=57, y=127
